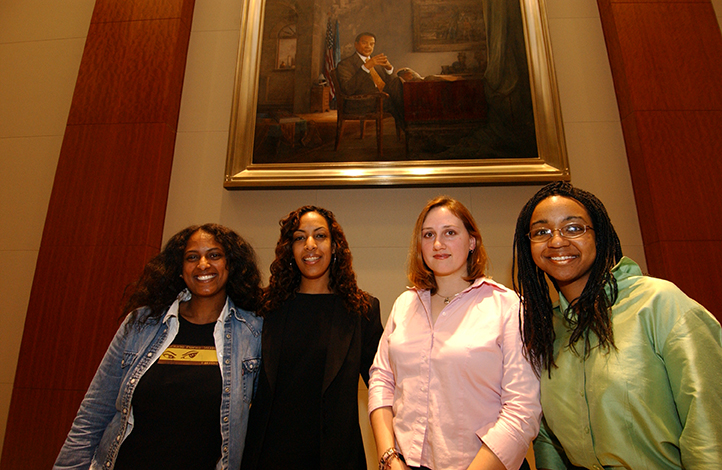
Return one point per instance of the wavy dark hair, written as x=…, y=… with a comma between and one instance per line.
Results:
x=588, y=313
x=419, y=273
x=286, y=277
x=162, y=280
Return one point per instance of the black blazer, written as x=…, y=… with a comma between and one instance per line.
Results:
x=353, y=341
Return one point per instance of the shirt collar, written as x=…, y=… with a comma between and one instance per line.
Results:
x=185, y=296
x=474, y=285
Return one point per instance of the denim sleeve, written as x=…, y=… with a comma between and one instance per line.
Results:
x=97, y=408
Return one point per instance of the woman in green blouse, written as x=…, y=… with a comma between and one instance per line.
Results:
x=629, y=365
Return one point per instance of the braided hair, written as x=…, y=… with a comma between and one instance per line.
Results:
x=590, y=312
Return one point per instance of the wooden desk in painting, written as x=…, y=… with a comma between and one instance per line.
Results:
x=446, y=108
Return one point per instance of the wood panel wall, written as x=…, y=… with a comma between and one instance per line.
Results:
x=105, y=217
x=666, y=59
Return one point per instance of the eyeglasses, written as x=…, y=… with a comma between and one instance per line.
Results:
x=568, y=231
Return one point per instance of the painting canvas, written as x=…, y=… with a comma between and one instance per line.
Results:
x=476, y=100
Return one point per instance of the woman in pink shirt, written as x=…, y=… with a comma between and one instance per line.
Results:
x=450, y=387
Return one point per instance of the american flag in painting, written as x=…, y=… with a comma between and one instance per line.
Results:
x=332, y=53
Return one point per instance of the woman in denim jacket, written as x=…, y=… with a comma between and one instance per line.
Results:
x=157, y=399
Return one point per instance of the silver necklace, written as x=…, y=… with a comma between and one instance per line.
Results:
x=447, y=299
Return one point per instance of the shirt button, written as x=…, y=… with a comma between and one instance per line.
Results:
x=581, y=394
x=586, y=429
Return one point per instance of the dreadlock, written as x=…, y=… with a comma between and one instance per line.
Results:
x=590, y=312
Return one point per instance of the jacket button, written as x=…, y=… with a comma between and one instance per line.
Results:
x=225, y=419
x=227, y=361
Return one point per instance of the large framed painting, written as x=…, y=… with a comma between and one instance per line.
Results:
x=460, y=92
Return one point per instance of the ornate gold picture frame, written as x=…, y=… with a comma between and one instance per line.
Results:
x=243, y=170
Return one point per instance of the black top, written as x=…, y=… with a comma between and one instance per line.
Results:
x=305, y=412
x=295, y=419
x=177, y=407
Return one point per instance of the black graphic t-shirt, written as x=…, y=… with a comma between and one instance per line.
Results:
x=176, y=407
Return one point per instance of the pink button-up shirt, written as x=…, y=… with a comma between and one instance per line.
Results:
x=459, y=382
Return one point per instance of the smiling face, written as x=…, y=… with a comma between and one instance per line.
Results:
x=445, y=243
x=567, y=261
x=204, y=266
x=365, y=45
x=313, y=252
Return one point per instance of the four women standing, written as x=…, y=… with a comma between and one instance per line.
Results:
x=628, y=363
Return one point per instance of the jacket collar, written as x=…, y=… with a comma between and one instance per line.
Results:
x=340, y=336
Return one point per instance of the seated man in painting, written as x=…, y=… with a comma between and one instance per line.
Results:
x=363, y=73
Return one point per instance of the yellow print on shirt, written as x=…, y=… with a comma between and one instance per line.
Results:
x=189, y=355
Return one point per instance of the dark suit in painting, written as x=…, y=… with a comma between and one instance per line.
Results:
x=354, y=80
x=330, y=436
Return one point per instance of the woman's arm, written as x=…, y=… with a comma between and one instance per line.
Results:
x=486, y=460
x=382, y=423
x=371, y=335
x=692, y=355
x=96, y=410
x=548, y=452
x=518, y=421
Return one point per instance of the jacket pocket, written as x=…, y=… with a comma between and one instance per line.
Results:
x=250, y=366
x=250, y=373
x=128, y=359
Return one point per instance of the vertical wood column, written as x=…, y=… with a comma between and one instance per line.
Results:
x=105, y=217
x=666, y=59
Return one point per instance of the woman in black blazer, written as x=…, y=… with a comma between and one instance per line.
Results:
x=320, y=332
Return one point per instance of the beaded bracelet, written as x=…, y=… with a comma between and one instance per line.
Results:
x=390, y=454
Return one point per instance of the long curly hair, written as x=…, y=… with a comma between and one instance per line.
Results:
x=286, y=277
x=420, y=275
x=588, y=313
x=161, y=280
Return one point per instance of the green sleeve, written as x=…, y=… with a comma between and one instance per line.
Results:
x=548, y=452
x=693, y=357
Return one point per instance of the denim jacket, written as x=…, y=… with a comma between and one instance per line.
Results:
x=105, y=417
